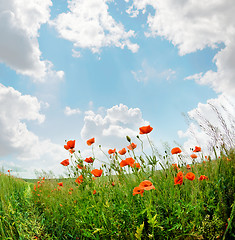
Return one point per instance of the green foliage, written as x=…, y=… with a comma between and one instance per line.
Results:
x=198, y=209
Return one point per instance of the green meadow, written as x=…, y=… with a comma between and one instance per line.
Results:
x=127, y=198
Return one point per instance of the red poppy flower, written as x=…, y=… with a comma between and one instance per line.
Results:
x=132, y=146
x=138, y=190
x=71, y=151
x=89, y=160
x=190, y=176
x=66, y=147
x=112, y=151
x=123, y=163
x=145, y=129
x=71, y=144
x=113, y=184
x=137, y=165
x=79, y=166
x=179, y=178
x=188, y=166
x=197, y=149
x=193, y=156
x=90, y=141
x=130, y=161
x=122, y=152
x=175, y=166
x=65, y=162
x=203, y=177
x=94, y=192
x=60, y=184
x=175, y=150
x=146, y=185
x=97, y=172
x=79, y=179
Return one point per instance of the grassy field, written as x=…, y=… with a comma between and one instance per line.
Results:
x=177, y=202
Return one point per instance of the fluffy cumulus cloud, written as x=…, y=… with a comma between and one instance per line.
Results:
x=19, y=48
x=15, y=138
x=88, y=24
x=192, y=26
x=111, y=129
x=69, y=111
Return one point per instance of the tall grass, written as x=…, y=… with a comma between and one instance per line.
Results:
x=177, y=202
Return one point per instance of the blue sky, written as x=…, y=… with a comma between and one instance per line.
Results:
x=114, y=65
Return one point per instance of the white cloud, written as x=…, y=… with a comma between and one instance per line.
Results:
x=19, y=48
x=88, y=24
x=192, y=26
x=111, y=130
x=76, y=54
x=148, y=72
x=213, y=124
x=68, y=111
x=15, y=138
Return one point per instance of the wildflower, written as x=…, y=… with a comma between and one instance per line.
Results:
x=79, y=166
x=89, y=160
x=193, y=156
x=71, y=189
x=123, y=163
x=90, y=141
x=179, y=178
x=138, y=190
x=175, y=150
x=197, y=149
x=190, y=176
x=94, y=192
x=145, y=129
x=203, y=177
x=97, y=172
x=65, y=162
x=70, y=193
x=188, y=166
x=130, y=161
x=71, y=151
x=137, y=165
x=146, y=185
x=79, y=179
x=113, y=184
x=60, y=184
x=175, y=166
x=132, y=146
x=61, y=205
x=70, y=145
x=112, y=151
x=122, y=152
x=34, y=187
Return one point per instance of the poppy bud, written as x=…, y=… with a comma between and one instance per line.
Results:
x=137, y=136
x=128, y=138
